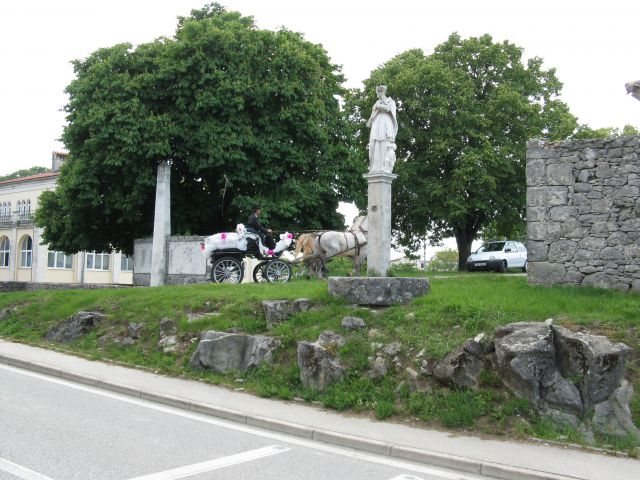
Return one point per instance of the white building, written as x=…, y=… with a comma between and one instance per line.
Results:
x=24, y=259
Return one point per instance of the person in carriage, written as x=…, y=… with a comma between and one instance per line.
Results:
x=254, y=226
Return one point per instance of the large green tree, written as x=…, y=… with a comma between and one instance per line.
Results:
x=465, y=113
x=243, y=115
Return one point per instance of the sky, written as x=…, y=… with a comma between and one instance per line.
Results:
x=594, y=47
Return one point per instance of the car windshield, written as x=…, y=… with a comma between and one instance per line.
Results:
x=491, y=247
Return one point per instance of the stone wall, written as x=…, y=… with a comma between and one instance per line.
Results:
x=186, y=264
x=583, y=212
x=32, y=286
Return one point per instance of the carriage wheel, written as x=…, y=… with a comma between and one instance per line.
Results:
x=277, y=271
x=227, y=270
x=259, y=273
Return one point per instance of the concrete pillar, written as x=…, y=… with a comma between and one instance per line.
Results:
x=379, y=217
x=161, y=226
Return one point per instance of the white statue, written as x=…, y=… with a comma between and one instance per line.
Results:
x=384, y=127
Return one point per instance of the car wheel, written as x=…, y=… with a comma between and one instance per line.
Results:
x=502, y=267
x=525, y=269
x=470, y=268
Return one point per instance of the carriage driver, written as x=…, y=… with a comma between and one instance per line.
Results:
x=254, y=226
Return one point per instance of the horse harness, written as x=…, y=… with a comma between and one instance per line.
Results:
x=357, y=245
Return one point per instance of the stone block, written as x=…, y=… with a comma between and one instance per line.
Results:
x=602, y=280
x=536, y=214
x=537, y=251
x=536, y=230
x=546, y=273
x=547, y=196
x=378, y=290
x=560, y=174
x=563, y=214
x=536, y=172
x=562, y=250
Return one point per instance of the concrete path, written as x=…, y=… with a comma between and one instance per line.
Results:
x=490, y=458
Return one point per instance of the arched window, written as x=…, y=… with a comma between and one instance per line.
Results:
x=5, y=252
x=27, y=208
x=26, y=252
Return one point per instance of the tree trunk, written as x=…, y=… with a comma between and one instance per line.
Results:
x=464, y=239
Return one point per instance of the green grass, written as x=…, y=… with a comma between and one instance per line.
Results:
x=459, y=307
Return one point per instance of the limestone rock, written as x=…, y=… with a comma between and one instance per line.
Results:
x=168, y=341
x=378, y=290
x=353, y=323
x=76, y=327
x=194, y=317
x=277, y=311
x=597, y=363
x=613, y=416
x=224, y=352
x=525, y=354
x=167, y=325
x=134, y=330
x=378, y=368
x=127, y=342
x=319, y=368
x=329, y=339
x=462, y=367
x=392, y=349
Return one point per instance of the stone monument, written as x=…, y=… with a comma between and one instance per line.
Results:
x=161, y=226
x=382, y=158
x=378, y=288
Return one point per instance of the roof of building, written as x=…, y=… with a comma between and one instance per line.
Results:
x=37, y=176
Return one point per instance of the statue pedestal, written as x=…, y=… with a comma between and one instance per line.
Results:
x=379, y=216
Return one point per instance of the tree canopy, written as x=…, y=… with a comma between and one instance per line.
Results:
x=585, y=132
x=25, y=172
x=243, y=115
x=465, y=113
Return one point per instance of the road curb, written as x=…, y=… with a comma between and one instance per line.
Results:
x=494, y=470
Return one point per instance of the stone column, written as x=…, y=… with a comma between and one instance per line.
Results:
x=379, y=216
x=161, y=226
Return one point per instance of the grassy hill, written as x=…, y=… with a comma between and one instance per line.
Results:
x=459, y=307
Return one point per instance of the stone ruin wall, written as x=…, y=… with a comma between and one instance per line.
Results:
x=583, y=212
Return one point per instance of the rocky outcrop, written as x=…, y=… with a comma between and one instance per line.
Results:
x=525, y=358
x=462, y=367
x=378, y=290
x=224, y=352
x=277, y=311
x=76, y=327
x=596, y=364
x=319, y=365
x=613, y=416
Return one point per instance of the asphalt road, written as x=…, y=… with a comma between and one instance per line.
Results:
x=51, y=429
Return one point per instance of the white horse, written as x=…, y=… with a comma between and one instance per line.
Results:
x=318, y=247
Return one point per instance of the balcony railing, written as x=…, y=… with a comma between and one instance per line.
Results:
x=16, y=218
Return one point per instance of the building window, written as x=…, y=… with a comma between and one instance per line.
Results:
x=126, y=263
x=60, y=260
x=24, y=209
x=5, y=252
x=26, y=252
x=97, y=261
x=5, y=212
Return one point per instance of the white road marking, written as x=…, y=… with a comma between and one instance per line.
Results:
x=20, y=471
x=342, y=451
x=196, y=468
x=406, y=477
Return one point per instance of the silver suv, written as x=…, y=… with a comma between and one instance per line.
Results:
x=499, y=256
